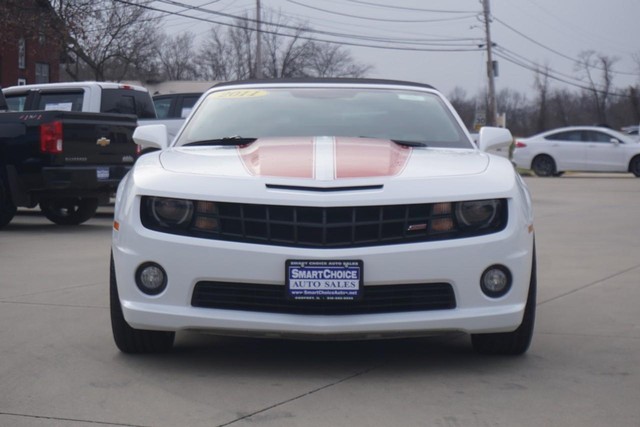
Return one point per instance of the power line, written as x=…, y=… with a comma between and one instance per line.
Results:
x=465, y=48
x=382, y=19
x=411, y=8
x=521, y=64
x=469, y=46
x=434, y=38
x=328, y=33
x=574, y=60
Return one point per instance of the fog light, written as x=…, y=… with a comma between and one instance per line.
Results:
x=496, y=281
x=151, y=278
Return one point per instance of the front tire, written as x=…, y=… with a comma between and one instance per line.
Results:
x=7, y=208
x=69, y=211
x=128, y=339
x=517, y=342
x=544, y=166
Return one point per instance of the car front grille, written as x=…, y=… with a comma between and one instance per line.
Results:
x=375, y=299
x=327, y=227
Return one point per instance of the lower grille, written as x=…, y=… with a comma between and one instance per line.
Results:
x=272, y=299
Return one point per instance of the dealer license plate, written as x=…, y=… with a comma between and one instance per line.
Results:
x=102, y=174
x=324, y=280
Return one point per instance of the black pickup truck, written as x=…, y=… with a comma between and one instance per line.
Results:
x=55, y=154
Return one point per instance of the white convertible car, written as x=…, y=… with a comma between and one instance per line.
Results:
x=323, y=209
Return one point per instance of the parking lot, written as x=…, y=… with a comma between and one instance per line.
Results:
x=60, y=367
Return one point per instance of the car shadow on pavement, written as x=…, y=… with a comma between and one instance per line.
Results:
x=197, y=353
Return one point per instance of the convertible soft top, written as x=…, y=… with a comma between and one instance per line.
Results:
x=346, y=81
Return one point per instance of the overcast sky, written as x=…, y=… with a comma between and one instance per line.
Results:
x=527, y=32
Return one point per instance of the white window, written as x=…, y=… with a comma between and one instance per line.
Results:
x=42, y=72
x=22, y=54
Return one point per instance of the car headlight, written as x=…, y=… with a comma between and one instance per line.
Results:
x=478, y=214
x=169, y=213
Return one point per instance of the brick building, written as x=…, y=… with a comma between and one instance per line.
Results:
x=30, y=51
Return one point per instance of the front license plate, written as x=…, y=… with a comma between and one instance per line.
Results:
x=315, y=280
x=102, y=173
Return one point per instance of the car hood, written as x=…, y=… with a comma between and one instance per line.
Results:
x=323, y=159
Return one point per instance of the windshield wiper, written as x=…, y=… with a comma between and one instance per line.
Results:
x=227, y=140
x=410, y=143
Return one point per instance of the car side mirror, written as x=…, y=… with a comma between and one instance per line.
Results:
x=151, y=136
x=493, y=137
x=615, y=141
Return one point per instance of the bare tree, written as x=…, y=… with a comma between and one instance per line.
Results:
x=597, y=70
x=175, y=56
x=103, y=39
x=517, y=109
x=231, y=55
x=331, y=60
x=466, y=107
x=213, y=58
x=541, y=85
x=286, y=56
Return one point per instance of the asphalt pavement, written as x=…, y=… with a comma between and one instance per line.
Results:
x=60, y=367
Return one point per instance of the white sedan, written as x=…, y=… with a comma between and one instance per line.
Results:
x=578, y=148
x=323, y=209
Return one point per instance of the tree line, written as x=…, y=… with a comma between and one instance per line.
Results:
x=116, y=40
x=594, y=101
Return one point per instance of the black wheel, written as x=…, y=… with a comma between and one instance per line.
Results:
x=516, y=342
x=7, y=208
x=71, y=211
x=128, y=339
x=634, y=166
x=543, y=165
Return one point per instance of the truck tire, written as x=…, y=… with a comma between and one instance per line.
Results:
x=7, y=208
x=517, y=342
x=128, y=339
x=71, y=211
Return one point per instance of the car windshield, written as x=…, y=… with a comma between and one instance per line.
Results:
x=409, y=116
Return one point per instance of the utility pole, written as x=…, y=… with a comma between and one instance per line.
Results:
x=258, y=43
x=492, y=113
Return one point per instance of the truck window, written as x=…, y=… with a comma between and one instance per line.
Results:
x=61, y=101
x=16, y=102
x=127, y=101
x=163, y=106
x=187, y=104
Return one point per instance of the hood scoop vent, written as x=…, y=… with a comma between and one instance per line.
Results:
x=324, y=189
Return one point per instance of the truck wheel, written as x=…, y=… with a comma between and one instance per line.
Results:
x=516, y=342
x=128, y=339
x=71, y=211
x=7, y=208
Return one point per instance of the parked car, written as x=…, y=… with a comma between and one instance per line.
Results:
x=66, y=146
x=578, y=148
x=174, y=108
x=631, y=130
x=323, y=209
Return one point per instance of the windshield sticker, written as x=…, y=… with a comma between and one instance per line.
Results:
x=60, y=106
x=234, y=94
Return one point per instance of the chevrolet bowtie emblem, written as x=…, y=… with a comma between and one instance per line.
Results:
x=103, y=142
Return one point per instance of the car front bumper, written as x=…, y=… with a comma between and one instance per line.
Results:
x=458, y=262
